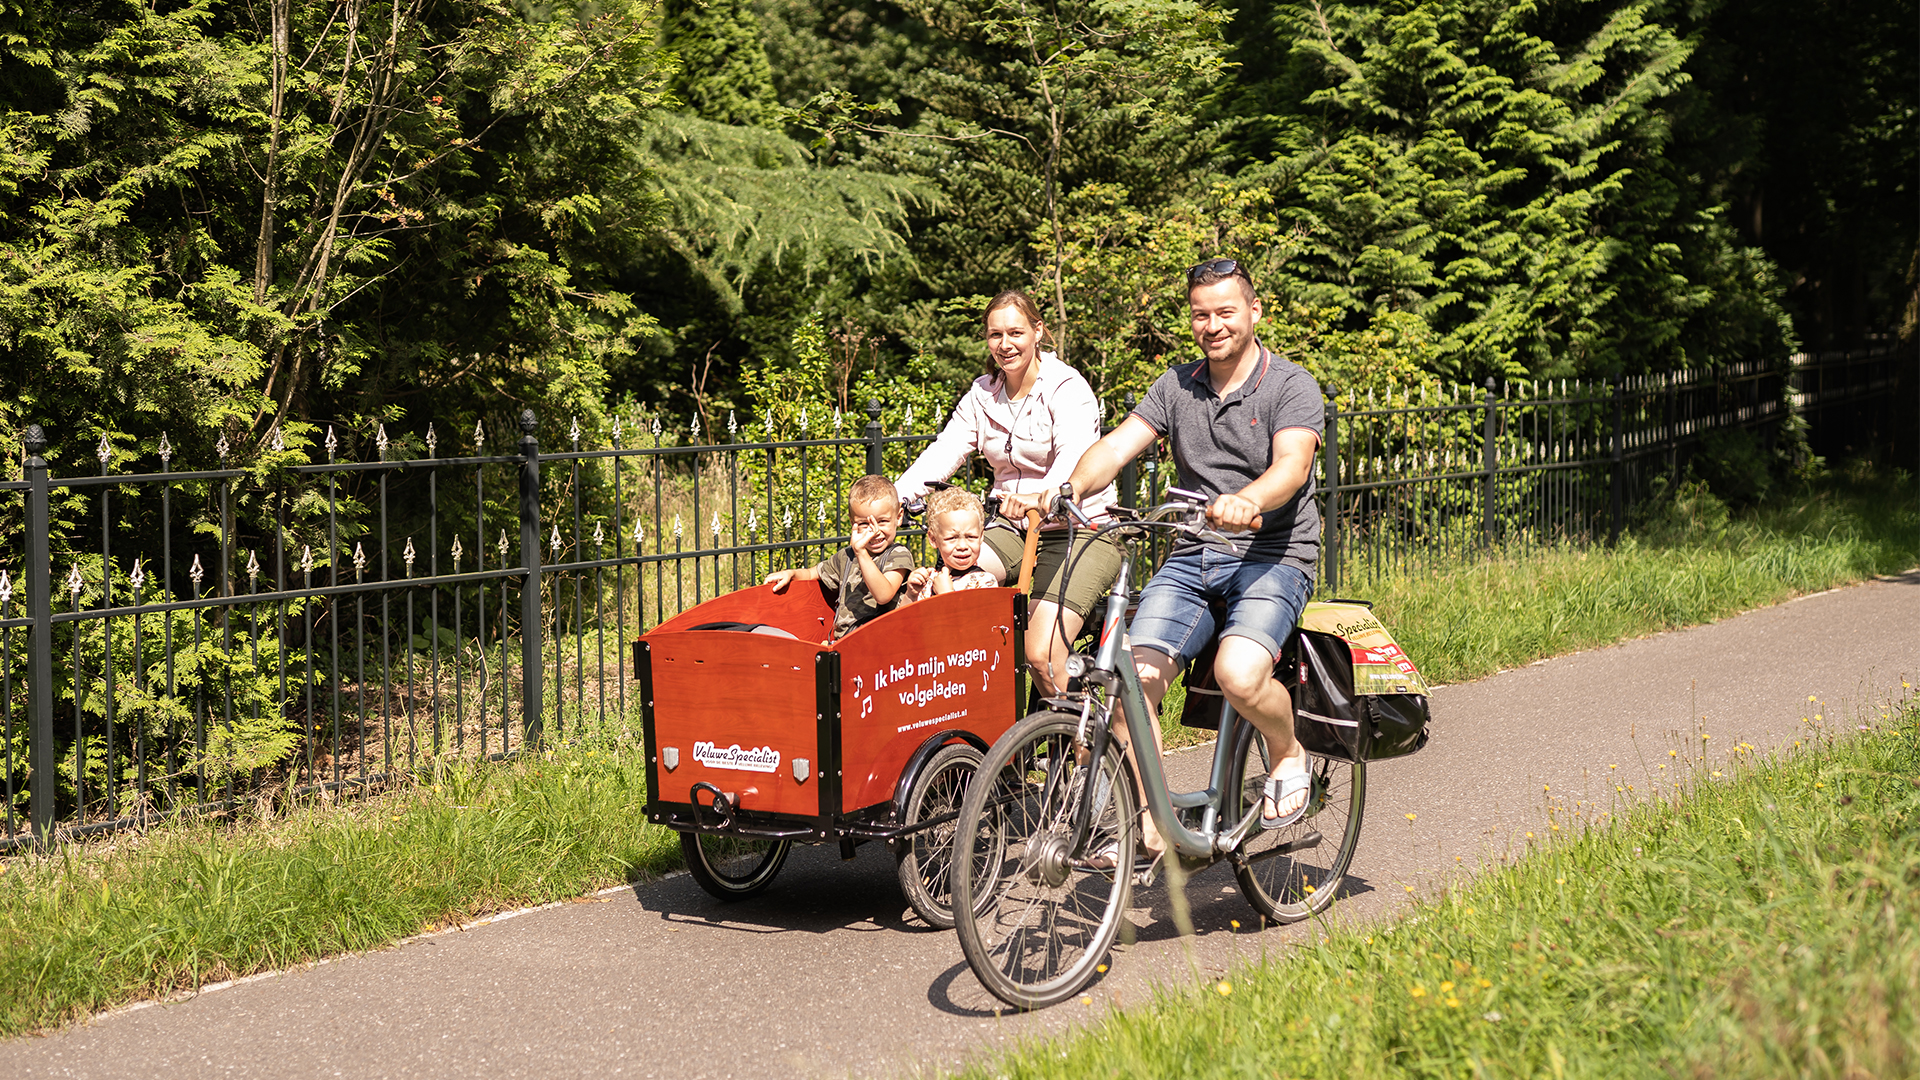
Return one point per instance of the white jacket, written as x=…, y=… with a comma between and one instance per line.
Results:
x=1052, y=426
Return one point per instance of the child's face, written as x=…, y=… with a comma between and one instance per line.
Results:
x=875, y=523
x=956, y=536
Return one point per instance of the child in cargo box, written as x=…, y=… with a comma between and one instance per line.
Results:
x=955, y=524
x=868, y=574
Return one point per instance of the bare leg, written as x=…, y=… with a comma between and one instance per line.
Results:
x=991, y=563
x=1244, y=669
x=1050, y=633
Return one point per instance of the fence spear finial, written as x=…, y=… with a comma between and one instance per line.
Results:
x=196, y=573
x=74, y=581
x=166, y=449
x=278, y=444
x=6, y=590
x=503, y=547
x=332, y=443
x=380, y=440
x=555, y=542
x=457, y=552
x=104, y=452
x=433, y=441
x=479, y=436
x=408, y=556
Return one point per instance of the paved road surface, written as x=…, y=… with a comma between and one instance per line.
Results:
x=827, y=975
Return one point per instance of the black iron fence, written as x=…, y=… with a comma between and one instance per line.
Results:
x=175, y=641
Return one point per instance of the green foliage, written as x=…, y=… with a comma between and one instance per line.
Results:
x=222, y=213
x=744, y=200
x=724, y=75
x=1498, y=171
x=1759, y=922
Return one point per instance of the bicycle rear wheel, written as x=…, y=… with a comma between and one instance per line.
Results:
x=1042, y=915
x=1291, y=873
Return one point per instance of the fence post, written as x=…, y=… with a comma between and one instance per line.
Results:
x=532, y=668
x=1129, y=478
x=1330, y=528
x=873, y=435
x=1489, y=464
x=1616, y=494
x=42, y=760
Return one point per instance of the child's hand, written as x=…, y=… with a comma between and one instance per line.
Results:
x=779, y=579
x=864, y=534
x=942, y=582
x=916, y=586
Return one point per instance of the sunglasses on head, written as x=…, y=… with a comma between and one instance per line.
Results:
x=1223, y=267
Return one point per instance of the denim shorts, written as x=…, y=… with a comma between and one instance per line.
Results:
x=1262, y=601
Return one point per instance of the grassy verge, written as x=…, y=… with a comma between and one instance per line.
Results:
x=1766, y=923
x=1690, y=563
x=142, y=916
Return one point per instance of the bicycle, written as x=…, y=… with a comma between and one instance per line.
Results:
x=1052, y=797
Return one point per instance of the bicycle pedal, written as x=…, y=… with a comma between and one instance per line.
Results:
x=1145, y=873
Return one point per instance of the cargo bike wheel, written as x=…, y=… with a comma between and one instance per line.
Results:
x=732, y=867
x=1291, y=873
x=926, y=856
x=1044, y=910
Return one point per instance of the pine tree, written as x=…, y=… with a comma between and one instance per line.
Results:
x=724, y=75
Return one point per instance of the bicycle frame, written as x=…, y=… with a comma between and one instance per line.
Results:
x=1113, y=668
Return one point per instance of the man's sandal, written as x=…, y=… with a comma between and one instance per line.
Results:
x=1277, y=789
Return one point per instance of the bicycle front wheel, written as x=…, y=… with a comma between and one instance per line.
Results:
x=1044, y=911
x=1291, y=873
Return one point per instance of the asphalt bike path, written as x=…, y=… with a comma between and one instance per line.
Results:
x=827, y=974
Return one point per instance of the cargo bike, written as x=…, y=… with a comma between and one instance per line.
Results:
x=762, y=732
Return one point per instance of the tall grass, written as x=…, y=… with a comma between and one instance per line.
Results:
x=1691, y=562
x=87, y=928
x=1764, y=923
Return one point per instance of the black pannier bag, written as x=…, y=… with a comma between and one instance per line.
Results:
x=1356, y=696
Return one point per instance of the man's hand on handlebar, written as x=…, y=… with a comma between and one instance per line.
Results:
x=1234, y=513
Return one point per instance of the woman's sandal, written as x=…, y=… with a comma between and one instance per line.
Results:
x=1278, y=788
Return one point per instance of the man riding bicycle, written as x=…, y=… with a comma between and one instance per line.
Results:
x=1244, y=426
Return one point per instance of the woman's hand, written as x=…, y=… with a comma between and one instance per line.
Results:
x=1016, y=505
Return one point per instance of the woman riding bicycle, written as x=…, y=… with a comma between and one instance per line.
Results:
x=1032, y=417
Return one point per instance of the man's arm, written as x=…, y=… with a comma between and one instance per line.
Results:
x=1293, y=452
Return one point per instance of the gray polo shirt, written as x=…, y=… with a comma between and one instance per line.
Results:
x=1221, y=445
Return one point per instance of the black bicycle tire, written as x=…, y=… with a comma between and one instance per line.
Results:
x=1303, y=890
x=1005, y=786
